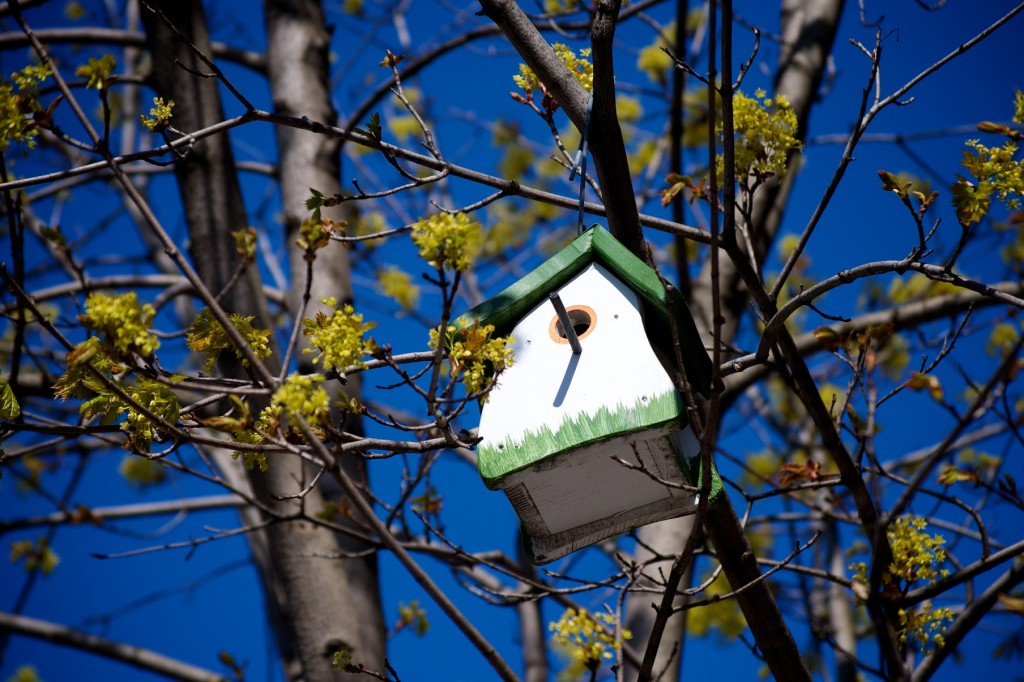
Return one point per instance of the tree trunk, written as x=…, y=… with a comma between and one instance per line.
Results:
x=666, y=539
x=310, y=599
x=297, y=48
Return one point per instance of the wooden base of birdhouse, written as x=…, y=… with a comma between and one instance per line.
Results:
x=586, y=495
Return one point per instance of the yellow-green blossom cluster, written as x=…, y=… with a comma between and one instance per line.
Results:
x=916, y=555
x=364, y=224
x=74, y=11
x=139, y=429
x=578, y=64
x=207, y=336
x=97, y=71
x=252, y=459
x=995, y=169
x=122, y=322
x=36, y=555
x=19, y=100
x=765, y=132
x=159, y=400
x=338, y=337
x=653, y=60
x=31, y=77
x=398, y=285
x=159, y=115
x=559, y=6
x=918, y=286
x=997, y=172
x=474, y=355
x=925, y=626
x=588, y=638
x=448, y=240
x=301, y=395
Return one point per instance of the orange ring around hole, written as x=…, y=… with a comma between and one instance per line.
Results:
x=587, y=310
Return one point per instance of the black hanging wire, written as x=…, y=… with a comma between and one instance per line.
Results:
x=580, y=163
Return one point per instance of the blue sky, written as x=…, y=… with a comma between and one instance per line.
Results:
x=208, y=600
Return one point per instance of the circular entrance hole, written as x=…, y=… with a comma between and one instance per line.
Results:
x=583, y=322
x=580, y=323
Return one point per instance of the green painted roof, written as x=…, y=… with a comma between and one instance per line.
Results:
x=597, y=245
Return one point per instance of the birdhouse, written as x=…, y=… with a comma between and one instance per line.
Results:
x=589, y=391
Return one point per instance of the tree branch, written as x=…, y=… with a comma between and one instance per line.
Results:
x=933, y=272
x=138, y=657
x=509, y=187
x=128, y=511
x=908, y=316
x=610, y=155
x=113, y=36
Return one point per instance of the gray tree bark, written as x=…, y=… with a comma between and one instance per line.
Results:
x=297, y=46
x=313, y=605
x=662, y=540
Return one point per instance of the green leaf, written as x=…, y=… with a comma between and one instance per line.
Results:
x=374, y=126
x=414, y=617
x=315, y=201
x=342, y=659
x=828, y=338
x=9, y=408
x=890, y=183
x=141, y=472
x=951, y=474
x=919, y=381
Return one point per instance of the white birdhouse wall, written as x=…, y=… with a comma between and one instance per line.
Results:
x=548, y=397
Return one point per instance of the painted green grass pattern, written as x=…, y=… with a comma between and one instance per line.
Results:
x=497, y=460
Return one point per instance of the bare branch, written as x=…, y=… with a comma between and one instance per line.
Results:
x=101, y=514
x=112, y=36
x=144, y=659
